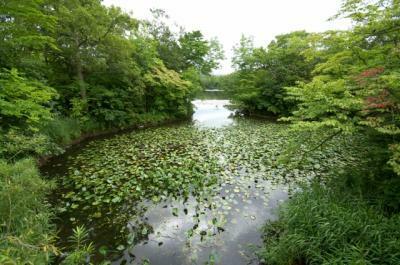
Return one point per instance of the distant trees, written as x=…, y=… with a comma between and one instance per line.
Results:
x=183, y=50
x=263, y=73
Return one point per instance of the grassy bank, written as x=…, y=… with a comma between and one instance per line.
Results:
x=67, y=132
x=352, y=219
x=320, y=226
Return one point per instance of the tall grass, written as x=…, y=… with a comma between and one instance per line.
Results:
x=327, y=225
x=25, y=230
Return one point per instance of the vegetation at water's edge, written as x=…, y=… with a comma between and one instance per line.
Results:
x=330, y=84
x=215, y=174
x=69, y=68
x=73, y=67
x=27, y=235
x=352, y=218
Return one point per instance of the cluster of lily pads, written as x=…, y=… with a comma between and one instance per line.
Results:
x=219, y=168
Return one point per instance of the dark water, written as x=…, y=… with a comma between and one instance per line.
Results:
x=219, y=226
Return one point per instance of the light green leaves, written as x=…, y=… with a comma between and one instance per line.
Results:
x=24, y=101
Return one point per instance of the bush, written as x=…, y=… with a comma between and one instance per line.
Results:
x=25, y=230
x=63, y=130
x=18, y=144
x=323, y=225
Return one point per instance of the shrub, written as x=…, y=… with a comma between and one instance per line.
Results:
x=63, y=130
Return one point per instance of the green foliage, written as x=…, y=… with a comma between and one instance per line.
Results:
x=102, y=64
x=353, y=218
x=193, y=48
x=69, y=68
x=25, y=33
x=23, y=103
x=336, y=228
x=167, y=92
x=354, y=88
x=17, y=144
x=82, y=247
x=184, y=50
x=26, y=234
x=193, y=76
x=62, y=130
x=219, y=82
x=263, y=73
x=24, y=106
x=99, y=60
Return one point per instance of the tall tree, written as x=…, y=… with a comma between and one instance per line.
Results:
x=82, y=27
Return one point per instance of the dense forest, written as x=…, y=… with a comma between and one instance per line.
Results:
x=73, y=68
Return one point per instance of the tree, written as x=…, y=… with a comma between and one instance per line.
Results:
x=264, y=72
x=167, y=92
x=243, y=54
x=23, y=103
x=83, y=26
x=181, y=50
x=356, y=85
x=25, y=33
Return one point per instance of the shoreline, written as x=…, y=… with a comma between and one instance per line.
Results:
x=89, y=136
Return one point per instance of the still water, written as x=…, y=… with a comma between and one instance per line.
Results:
x=212, y=113
x=248, y=210
x=195, y=193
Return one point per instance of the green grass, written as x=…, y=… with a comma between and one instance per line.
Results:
x=26, y=234
x=63, y=130
x=328, y=225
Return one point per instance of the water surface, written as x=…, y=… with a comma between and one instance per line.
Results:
x=186, y=194
x=212, y=113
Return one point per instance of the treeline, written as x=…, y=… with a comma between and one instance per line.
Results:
x=258, y=84
x=69, y=67
x=94, y=64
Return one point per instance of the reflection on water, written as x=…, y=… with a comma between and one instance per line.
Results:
x=196, y=233
x=217, y=223
x=245, y=213
x=212, y=113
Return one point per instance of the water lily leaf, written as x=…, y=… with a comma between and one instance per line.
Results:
x=175, y=211
x=144, y=231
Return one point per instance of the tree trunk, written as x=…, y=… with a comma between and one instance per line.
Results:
x=79, y=72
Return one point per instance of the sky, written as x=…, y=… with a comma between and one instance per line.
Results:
x=229, y=19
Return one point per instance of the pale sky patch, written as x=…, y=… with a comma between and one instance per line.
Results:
x=229, y=19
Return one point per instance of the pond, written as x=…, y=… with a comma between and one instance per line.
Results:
x=192, y=193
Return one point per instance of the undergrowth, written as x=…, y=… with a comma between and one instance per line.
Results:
x=26, y=233
x=351, y=219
